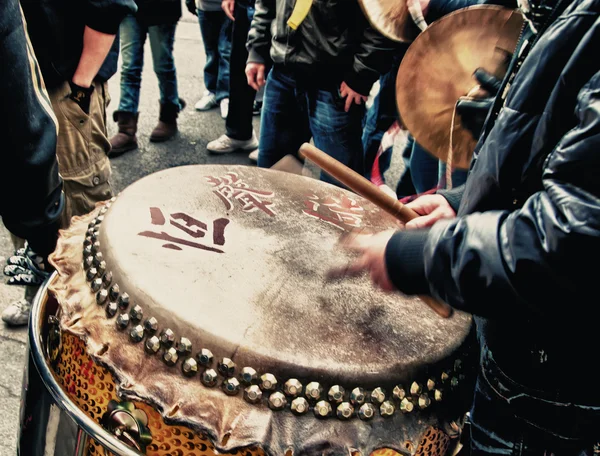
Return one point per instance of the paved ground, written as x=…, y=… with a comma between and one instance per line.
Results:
x=196, y=130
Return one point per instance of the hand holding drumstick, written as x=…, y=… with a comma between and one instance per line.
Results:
x=372, y=247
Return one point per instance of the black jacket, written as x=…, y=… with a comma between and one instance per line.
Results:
x=56, y=31
x=521, y=254
x=31, y=199
x=333, y=43
x=157, y=12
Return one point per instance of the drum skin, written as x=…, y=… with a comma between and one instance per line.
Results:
x=171, y=344
x=91, y=387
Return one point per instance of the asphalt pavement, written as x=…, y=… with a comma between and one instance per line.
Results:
x=196, y=129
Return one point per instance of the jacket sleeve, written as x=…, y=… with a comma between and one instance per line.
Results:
x=259, y=36
x=373, y=57
x=453, y=196
x=534, y=260
x=31, y=188
x=105, y=16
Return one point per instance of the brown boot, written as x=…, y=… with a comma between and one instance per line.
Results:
x=125, y=139
x=167, y=122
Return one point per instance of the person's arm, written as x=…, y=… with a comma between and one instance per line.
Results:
x=533, y=260
x=259, y=36
x=102, y=25
x=96, y=46
x=373, y=57
x=31, y=198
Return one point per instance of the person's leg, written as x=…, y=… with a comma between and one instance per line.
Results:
x=210, y=25
x=284, y=123
x=405, y=186
x=459, y=176
x=380, y=117
x=224, y=54
x=82, y=149
x=335, y=131
x=132, y=36
x=423, y=169
x=162, y=39
x=241, y=95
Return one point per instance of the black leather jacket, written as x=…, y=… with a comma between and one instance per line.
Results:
x=334, y=42
x=521, y=254
x=30, y=187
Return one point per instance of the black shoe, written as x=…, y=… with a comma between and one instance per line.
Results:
x=256, y=108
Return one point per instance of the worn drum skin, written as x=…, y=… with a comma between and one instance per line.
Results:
x=195, y=315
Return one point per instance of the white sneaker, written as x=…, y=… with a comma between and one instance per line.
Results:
x=253, y=156
x=224, y=107
x=208, y=101
x=224, y=144
x=17, y=314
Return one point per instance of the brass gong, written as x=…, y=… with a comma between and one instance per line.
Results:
x=391, y=18
x=438, y=69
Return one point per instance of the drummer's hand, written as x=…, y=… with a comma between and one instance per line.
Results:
x=431, y=208
x=372, y=259
x=351, y=96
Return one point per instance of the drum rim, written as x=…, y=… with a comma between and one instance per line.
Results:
x=36, y=350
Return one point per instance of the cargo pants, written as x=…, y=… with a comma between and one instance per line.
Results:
x=82, y=149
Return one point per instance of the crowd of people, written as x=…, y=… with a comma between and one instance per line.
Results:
x=503, y=244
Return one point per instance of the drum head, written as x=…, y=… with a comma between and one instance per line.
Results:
x=238, y=257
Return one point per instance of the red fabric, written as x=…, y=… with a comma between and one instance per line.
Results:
x=387, y=141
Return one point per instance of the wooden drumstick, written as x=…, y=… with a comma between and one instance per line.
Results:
x=357, y=183
x=374, y=194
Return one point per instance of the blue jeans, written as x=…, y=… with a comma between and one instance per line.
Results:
x=423, y=171
x=133, y=37
x=503, y=412
x=216, y=28
x=380, y=117
x=293, y=113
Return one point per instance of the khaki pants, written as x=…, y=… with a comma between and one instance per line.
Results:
x=82, y=149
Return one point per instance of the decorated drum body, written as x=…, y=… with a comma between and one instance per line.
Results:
x=197, y=314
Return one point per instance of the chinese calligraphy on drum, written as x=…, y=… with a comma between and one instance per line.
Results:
x=193, y=228
x=231, y=188
x=341, y=212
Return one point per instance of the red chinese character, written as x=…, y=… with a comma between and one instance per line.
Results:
x=341, y=212
x=230, y=187
x=191, y=226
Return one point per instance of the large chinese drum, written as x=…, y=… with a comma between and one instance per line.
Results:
x=193, y=315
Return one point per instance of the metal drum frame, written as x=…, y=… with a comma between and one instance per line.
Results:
x=48, y=417
x=51, y=423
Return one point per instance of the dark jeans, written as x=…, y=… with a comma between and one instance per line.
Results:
x=293, y=113
x=423, y=171
x=503, y=411
x=133, y=36
x=380, y=117
x=216, y=29
x=241, y=95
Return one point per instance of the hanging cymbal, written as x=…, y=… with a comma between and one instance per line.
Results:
x=391, y=18
x=438, y=69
